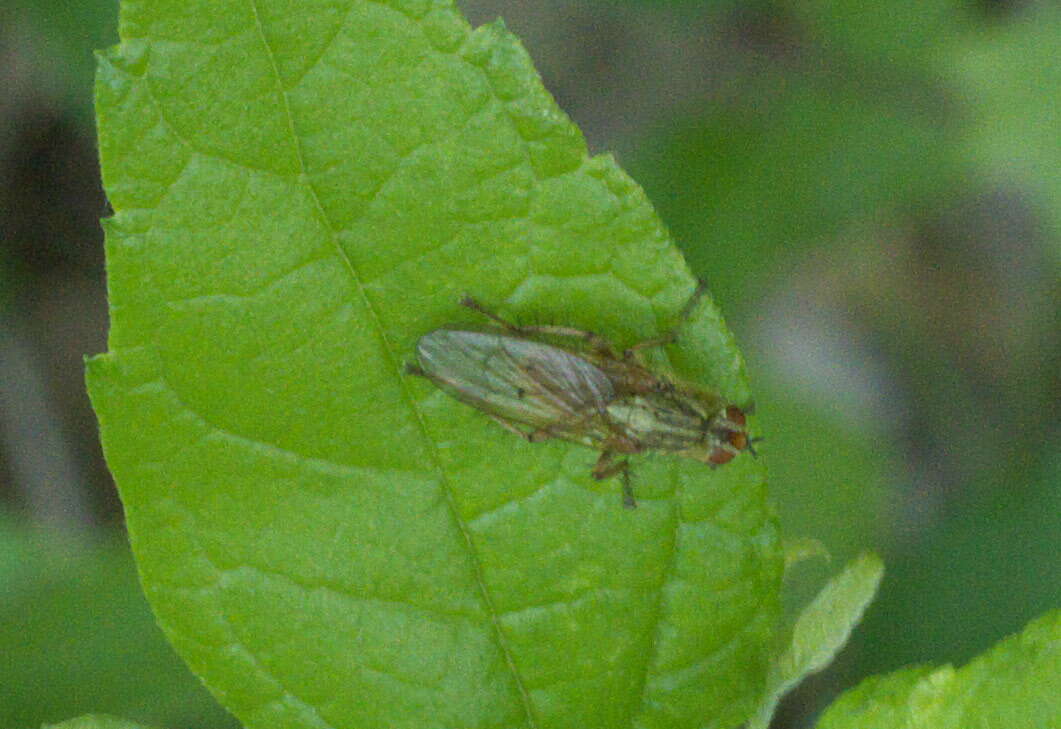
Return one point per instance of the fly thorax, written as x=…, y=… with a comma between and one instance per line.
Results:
x=657, y=421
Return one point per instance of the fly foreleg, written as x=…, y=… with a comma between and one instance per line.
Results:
x=668, y=337
x=607, y=466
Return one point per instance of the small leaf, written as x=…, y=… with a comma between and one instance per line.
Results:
x=800, y=549
x=1016, y=685
x=301, y=190
x=96, y=721
x=821, y=630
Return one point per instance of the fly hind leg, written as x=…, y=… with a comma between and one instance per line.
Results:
x=533, y=436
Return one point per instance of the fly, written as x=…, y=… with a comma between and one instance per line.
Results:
x=591, y=393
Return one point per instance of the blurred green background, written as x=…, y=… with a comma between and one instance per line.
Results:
x=873, y=191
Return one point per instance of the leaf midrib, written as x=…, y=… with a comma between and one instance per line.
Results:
x=389, y=352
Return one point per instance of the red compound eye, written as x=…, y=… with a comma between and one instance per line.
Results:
x=720, y=456
x=735, y=415
x=738, y=439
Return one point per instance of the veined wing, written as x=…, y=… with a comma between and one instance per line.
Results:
x=516, y=379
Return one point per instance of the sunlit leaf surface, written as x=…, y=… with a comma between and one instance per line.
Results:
x=301, y=189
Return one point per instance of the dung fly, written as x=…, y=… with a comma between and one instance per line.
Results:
x=588, y=393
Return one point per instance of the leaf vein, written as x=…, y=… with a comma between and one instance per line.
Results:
x=668, y=574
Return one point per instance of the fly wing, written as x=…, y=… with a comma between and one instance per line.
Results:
x=515, y=379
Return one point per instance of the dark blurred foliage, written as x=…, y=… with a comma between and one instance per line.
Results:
x=76, y=634
x=873, y=191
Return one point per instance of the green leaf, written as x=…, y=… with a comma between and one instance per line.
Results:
x=1016, y=684
x=300, y=191
x=801, y=549
x=96, y=721
x=821, y=631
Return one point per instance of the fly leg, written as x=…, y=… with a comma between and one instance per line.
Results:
x=607, y=466
x=668, y=337
x=534, y=436
x=474, y=305
x=595, y=341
